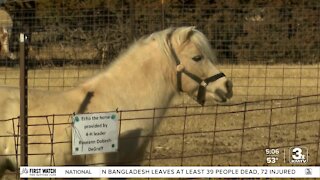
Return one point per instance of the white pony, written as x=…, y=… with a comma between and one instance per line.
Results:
x=149, y=74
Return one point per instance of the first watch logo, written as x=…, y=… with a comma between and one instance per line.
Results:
x=298, y=155
x=38, y=172
x=24, y=171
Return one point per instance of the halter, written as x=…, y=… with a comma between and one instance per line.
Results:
x=203, y=83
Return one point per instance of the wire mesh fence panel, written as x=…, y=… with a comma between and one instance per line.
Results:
x=212, y=135
x=75, y=39
x=269, y=49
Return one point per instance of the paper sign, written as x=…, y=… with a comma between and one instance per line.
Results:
x=95, y=133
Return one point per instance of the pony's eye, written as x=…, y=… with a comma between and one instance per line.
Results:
x=197, y=58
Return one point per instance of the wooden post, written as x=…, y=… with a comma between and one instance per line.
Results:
x=23, y=104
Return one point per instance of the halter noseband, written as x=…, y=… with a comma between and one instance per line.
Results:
x=203, y=83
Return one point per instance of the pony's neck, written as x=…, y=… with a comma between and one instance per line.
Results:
x=141, y=78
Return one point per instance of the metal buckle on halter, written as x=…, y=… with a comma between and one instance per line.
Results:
x=180, y=67
x=204, y=84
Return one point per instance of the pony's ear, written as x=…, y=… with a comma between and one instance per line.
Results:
x=186, y=33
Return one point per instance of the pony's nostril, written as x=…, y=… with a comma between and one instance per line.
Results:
x=229, y=86
x=221, y=95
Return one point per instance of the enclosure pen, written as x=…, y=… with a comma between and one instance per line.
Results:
x=214, y=143
x=269, y=50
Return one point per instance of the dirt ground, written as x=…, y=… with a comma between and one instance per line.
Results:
x=235, y=137
x=231, y=134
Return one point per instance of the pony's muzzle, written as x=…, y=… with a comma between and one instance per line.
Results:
x=224, y=93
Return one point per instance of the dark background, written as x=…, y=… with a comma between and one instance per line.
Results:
x=242, y=31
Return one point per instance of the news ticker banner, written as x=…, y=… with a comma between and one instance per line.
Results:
x=170, y=172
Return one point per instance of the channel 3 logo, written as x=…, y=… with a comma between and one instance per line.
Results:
x=298, y=155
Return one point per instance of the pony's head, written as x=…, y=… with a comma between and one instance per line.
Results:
x=196, y=73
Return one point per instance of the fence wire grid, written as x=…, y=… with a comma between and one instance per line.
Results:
x=269, y=49
x=241, y=31
x=213, y=135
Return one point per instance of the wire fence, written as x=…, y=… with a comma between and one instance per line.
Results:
x=95, y=32
x=251, y=82
x=215, y=135
x=270, y=50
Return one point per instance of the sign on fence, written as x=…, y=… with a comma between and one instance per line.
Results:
x=95, y=133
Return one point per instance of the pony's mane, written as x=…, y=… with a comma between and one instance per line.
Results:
x=181, y=36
